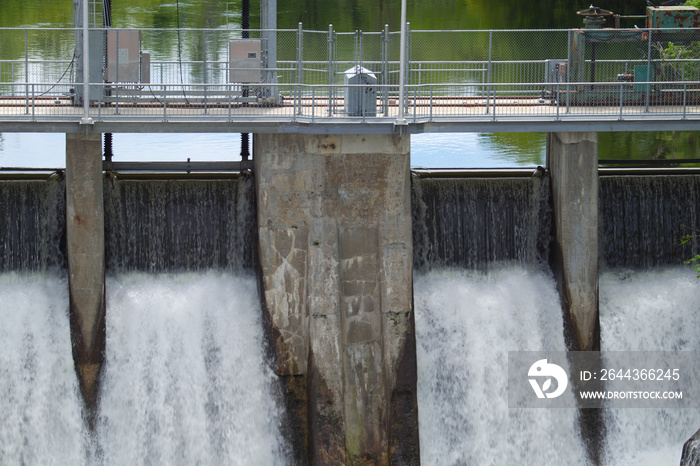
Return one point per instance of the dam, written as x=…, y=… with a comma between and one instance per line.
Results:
x=322, y=303
x=185, y=331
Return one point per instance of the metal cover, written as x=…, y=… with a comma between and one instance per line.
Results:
x=360, y=100
x=245, y=61
x=123, y=56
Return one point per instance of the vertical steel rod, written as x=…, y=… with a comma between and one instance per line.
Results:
x=488, y=72
x=86, y=63
x=402, y=64
x=385, y=72
x=648, y=86
x=300, y=51
x=204, y=64
x=568, y=76
x=621, y=100
x=26, y=66
x=685, y=102
x=331, y=70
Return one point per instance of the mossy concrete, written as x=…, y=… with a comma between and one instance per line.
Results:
x=335, y=244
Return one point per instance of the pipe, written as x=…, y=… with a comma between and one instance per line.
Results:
x=245, y=34
x=402, y=64
x=86, y=63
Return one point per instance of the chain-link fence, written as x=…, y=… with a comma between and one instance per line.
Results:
x=297, y=74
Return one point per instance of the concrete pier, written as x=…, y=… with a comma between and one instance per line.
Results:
x=86, y=263
x=573, y=163
x=334, y=222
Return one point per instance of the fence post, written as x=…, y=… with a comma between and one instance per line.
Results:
x=331, y=71
x=116, y=79
x=357, y=47
x=488, y=74
x=86, y=66
x=568, y=75
x=621, y=84
x=360, y=50
x=204, y=65
x=26, y=66
x=402, y=65
x=385, y=71
x=648, y=86
x=300, y=69
x=685, y=102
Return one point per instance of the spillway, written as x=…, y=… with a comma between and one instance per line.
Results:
x=40, y=406
x=186, y=380
x=466, y=322
x=652, y=310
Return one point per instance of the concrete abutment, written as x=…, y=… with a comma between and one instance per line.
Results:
x=334, y=221
x=86, y=258
x=572, y=159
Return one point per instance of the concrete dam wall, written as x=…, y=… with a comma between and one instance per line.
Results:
x=333, y=228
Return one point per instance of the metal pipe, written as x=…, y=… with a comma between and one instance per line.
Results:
x=86, y=64
x=385, y=71
x=593, y=46
x=26, y=62
x=331, y=70
x=568, y=74
x=488, y=75
x=402, y=64
x=648, y=86
x=245, y=34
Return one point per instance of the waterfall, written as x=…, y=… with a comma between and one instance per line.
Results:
x=475, y=223
x=40, y=406
x=186, y=380
x=180, y=225
x=651, y=311
x=33, y=225
x=642, y=219
x=466, y=322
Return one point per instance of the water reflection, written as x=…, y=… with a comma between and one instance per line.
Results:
x=477, y=150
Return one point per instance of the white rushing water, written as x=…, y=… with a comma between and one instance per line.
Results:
x=466, y=322
x=40, y=407
x=649, y=311
x=186, y=380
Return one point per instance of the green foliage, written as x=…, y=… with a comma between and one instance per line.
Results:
x=695, y=261
x=685, y=70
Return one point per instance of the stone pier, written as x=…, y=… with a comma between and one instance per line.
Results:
x=573, y=163
x=572, y=159
x=334, y=223
x=86, y=263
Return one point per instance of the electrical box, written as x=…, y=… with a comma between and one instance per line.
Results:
x=361, y=96
x=145, y=67
x=123, y=56
x=245, y=63
x=555, y=71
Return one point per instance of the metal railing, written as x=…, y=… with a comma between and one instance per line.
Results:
x=490, y=75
